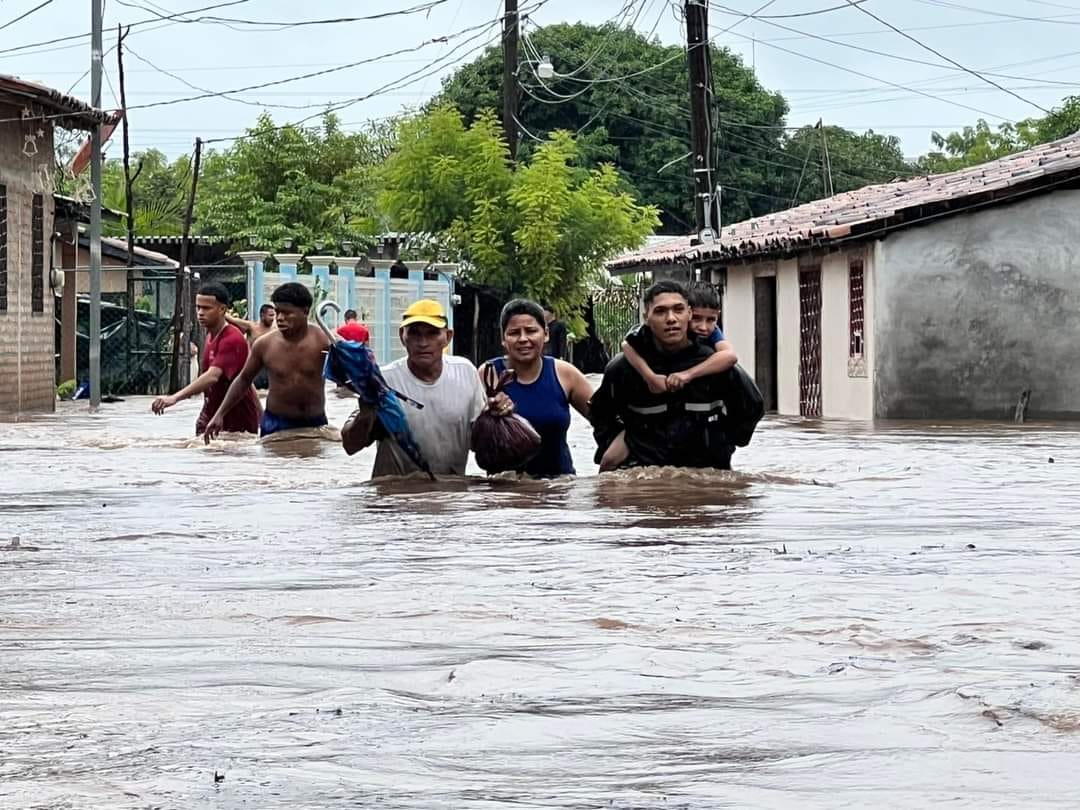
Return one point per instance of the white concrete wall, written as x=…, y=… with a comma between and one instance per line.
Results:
x=842, y=395
x=787, y=337
x=739, y=314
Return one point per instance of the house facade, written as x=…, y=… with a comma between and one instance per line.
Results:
x=942, y=297
x=28, y=114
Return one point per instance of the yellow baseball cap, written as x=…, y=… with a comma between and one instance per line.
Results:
x=425, y=311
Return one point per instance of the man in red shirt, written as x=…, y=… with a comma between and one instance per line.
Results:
x=352, y=329
x=223, y=357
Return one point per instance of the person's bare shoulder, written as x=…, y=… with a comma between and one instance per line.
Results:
x=264, y=341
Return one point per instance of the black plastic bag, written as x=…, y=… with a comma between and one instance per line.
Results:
x=502, y=443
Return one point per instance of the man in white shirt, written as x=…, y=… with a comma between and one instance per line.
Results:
x=448, y=387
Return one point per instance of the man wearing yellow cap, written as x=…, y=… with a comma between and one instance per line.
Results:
x=447, y=386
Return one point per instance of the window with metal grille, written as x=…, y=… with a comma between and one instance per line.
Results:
x=37, y=256
x=855, y=308
x=810, y=341
x=3, y=248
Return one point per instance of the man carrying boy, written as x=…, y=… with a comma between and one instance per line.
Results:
x=683, y=424
x=293, y=355
x=704, y=303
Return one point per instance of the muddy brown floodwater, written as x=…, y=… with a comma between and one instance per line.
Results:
x=860, y=616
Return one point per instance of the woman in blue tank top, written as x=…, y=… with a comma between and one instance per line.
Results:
x=544, y=388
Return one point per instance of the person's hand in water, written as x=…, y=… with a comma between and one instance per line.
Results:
x=213, y=428
x=501, y=404
x=616, y=453
x=160, y=404
x=359, y=429
x=657, y=383
x=676, y=381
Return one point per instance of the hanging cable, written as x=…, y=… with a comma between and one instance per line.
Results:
x=949, y=59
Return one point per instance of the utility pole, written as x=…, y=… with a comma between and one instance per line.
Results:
x=129, y=181
x=700, y=68
x=510, y=92
x=181, y=314
x=826, y=163
x=95, y=208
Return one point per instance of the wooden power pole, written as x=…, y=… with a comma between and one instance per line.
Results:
x=182, y=317
x=129, y=181
x=707, y=215
x=510, y=93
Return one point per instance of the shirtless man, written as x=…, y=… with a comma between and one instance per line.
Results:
x=255, y=330
x=293, y=356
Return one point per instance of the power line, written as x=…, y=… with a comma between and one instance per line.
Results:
x=204, y=90
x=135, y=24
x=1058, y=18
x=855, y=72
x=404, y=81
x=673, y=57
x=226, y=93
x=939, y=27
x=804, y=13
x=24, y=15
x=285, y=25
x=878, y=51
x=948, y=59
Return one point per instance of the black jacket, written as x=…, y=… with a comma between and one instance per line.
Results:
x=687, y=428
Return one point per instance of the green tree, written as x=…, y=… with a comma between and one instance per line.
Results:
x=640, y=124
x=159, y=188
x=543, y=231
x=969, y=147
x=312, y=185
x=978, y=144
x=855, y=160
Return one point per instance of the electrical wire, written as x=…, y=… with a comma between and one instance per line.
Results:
x=404, y=81
x=24, y=15
x=949, y=59
x=286, y=25
x=1057, y=18
x=855, y=72
x=303, y=76
x=879, y=52
x=204, y=90
x=675, y=56
x=135, y=24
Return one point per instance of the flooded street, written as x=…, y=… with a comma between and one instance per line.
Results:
x=859, y=616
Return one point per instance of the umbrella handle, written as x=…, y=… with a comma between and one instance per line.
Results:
x=320, y=314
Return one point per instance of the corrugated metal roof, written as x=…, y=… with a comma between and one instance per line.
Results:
x=870, y=208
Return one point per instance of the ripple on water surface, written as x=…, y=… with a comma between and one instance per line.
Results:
x=858, y=615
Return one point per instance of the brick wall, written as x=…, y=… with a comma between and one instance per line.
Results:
x=27, y=366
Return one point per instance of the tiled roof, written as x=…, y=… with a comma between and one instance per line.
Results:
x=66, y=110
x=871, y=209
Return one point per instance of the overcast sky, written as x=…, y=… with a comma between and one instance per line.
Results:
x=1032, y=41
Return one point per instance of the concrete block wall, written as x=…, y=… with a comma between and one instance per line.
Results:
x=27, y=363
x=975, y=308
